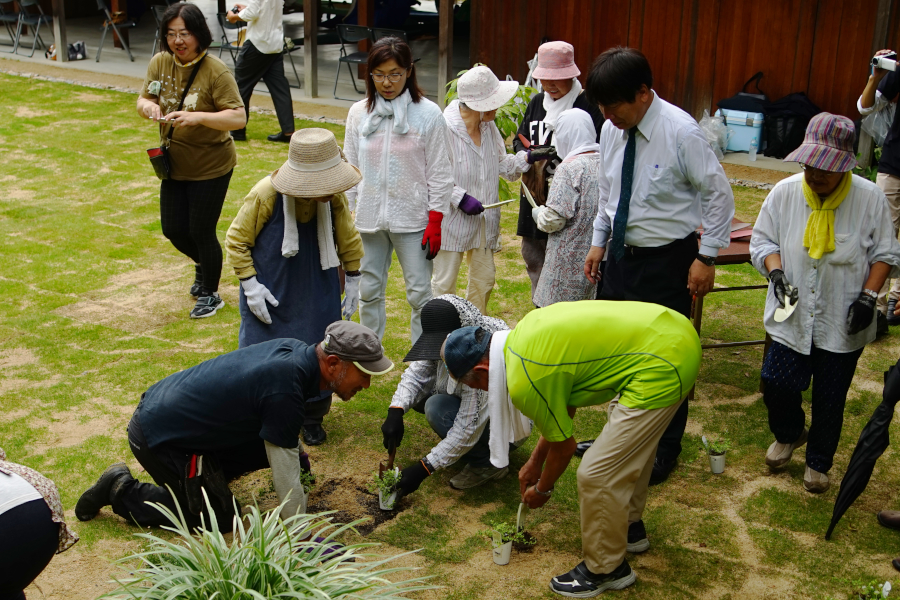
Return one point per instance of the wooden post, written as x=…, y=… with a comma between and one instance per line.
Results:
x=122, y=7
x=365, y=16
x=445, y=48
x=311, y=47
x=879, y=41
x=59, y=31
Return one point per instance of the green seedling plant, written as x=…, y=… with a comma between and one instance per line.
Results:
x=716, y=446
x=386, y=485
x=307, y=480
x=267, y=559
x=871, y=590
x=507, y=533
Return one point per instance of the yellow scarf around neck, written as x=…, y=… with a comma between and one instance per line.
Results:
x=819, y=233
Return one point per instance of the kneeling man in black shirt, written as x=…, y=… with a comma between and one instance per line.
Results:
x=237, y=413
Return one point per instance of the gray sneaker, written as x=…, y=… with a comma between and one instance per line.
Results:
x=780, y=454
x=471, y=476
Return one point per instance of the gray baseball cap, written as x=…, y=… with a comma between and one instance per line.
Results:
x=358, y=344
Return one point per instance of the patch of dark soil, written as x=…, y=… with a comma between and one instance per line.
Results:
x=527, y=545
x=352, y=501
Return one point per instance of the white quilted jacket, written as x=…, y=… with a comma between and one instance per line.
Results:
x=403, y=176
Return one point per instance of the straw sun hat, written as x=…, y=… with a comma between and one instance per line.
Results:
x=315, y=166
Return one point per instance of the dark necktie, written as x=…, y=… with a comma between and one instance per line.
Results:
x=621, y=220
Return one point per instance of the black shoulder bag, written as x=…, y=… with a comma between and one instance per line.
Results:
x=159, y=157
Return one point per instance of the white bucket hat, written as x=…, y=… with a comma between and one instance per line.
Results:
x=315, y=166
x=480, y=89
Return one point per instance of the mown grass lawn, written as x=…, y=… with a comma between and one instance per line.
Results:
x=94, y=309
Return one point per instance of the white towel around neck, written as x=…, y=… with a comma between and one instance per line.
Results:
x=508, y=424
x=555, y=108
x=290, y=244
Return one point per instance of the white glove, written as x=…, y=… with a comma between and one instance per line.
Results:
x=351, y=296
x=257, y=294
x=535, y=213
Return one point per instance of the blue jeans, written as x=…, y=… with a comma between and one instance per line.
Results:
x=376, y=262
x=440, y=412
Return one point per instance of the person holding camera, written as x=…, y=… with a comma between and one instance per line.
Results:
x=196, y=101
x=261, y=59
x=882, y=88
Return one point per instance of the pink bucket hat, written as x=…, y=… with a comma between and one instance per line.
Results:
x=480, y=89
x=556, y=60
x=827, y=145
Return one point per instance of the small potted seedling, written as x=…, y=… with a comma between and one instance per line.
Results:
x=872, y=590
x=307, y=481
x=386, y=486
x=716, y=449
x=503, y=535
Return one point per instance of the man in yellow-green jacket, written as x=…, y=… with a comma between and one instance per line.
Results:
x=285, y=245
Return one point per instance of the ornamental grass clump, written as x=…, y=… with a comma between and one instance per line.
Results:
x=266, y=560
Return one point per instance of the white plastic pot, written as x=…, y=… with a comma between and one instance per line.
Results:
x=717, y=463
x=501, y=553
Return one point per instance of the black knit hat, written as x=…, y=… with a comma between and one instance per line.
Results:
x=439, y=319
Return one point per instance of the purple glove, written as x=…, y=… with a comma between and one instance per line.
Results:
x=470, y=205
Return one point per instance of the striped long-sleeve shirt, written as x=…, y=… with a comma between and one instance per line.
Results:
x=476, y=171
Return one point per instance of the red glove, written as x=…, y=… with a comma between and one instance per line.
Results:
x=431, y=241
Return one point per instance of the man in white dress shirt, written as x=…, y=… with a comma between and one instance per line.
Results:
x=261, y=59
x=829, y=233
x=660, y=181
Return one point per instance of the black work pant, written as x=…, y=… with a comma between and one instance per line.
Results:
x=189, y=212
x=166, y=466
x=787, y=374
x=28, y=540
x=657, y=275
x=253, y=66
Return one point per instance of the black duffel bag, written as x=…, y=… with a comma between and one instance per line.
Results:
x=747, y=101
x=785, y=124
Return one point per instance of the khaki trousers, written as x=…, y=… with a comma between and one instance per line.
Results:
x=613, y=480
x=482, y=273
x=890, y=185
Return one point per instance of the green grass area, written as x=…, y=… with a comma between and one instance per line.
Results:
x=94, y=309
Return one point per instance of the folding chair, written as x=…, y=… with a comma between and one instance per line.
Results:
x=9, y=16
x=158, y=10
x=351, y=34
x=31, y=19
x=111, y=21
x=378, y=33
x=234, y=48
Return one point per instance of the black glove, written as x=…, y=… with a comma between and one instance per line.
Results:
x=411, y=478
x=860, y=314
x=539, y=153
x=392, y=428
x=780, y=285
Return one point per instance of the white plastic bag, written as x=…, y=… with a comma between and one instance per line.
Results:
x=717, y=134
x=879, y=123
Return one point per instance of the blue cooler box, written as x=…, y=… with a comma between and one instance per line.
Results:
x=746, y=126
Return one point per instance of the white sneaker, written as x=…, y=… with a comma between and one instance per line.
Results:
x=815, y=482
x=780, y=454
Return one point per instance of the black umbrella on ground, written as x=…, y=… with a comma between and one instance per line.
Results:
x=873, y=441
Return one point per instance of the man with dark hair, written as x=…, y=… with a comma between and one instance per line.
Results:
x=236, y=413
x=642, y=358
x=262, y=58
x=660, y=181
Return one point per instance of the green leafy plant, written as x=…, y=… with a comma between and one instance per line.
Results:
x=307, y=480
x=718, y=445
x=510, y=115
x=871, y=590
x=870, y=172
x=507, y=533
x=266, y=559
x=385, y=485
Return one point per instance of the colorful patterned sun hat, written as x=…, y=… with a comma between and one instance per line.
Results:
x=827, y=145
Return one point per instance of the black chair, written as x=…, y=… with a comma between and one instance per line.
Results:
x=111, y=22
x=234, y=47
x=378, y=33
x=27, y=18
x=10, y=18
x=351, y=34
x=158, y=10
